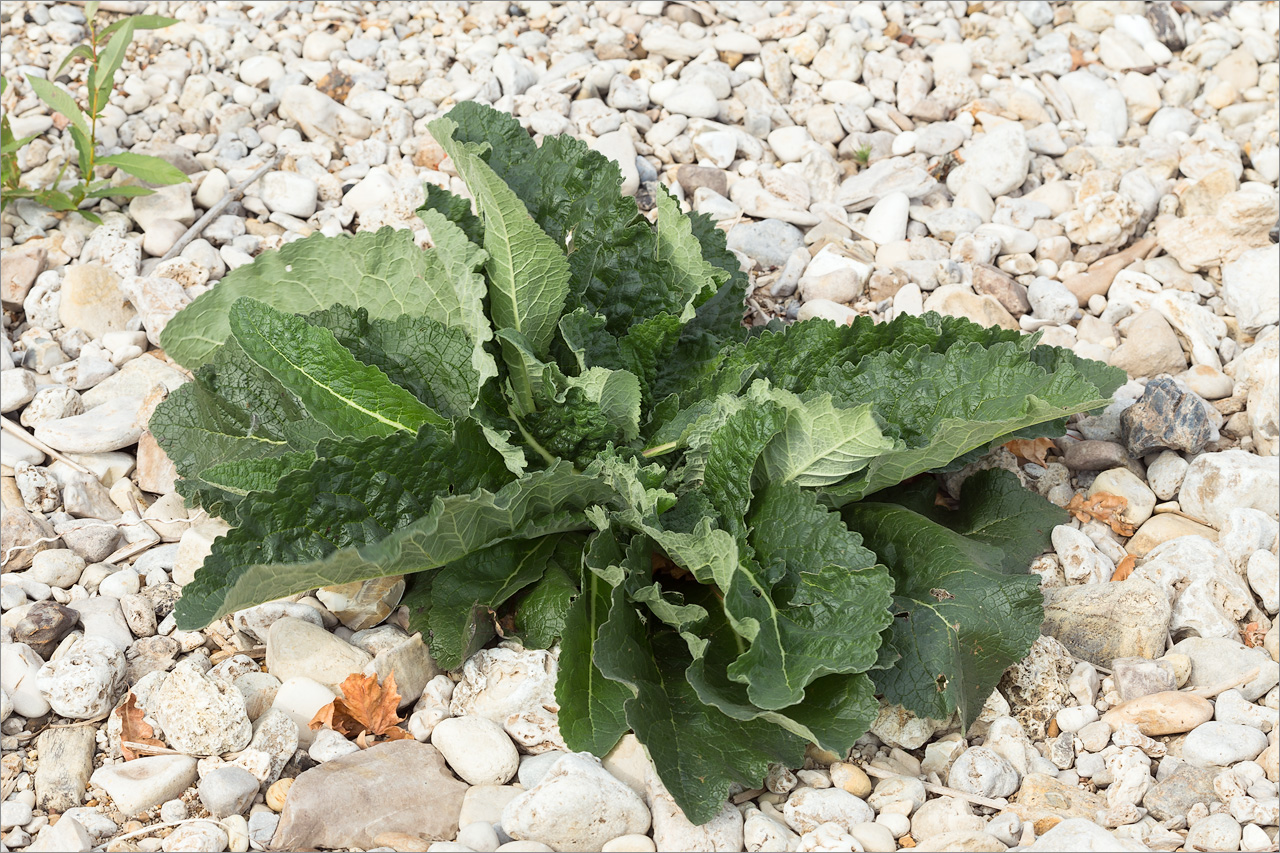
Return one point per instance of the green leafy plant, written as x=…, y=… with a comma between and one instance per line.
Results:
x=862, y=155
x=556, y=426
x=104, y=53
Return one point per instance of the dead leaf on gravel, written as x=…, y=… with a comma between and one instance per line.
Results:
x=366, y=708
x=134, y=729
x=1031, y=449
x=1104, y=507
x=1125, y=568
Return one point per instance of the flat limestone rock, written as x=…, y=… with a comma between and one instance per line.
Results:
x=400, y=786
x=1043, y=801
x=1102, y=622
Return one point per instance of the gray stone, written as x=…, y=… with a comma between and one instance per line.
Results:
x=102, y=617
x=1180, y=790
x=1136, y=677
x=227, y=791
x=201, y=715
x=400, y=786
x=1092, y=455
x=1102, y=622
x=769, y=242
x=85, y=683
x=299, y=648
x=1166, y=418
x=66, y=761
x=111, y=426
x=1215, y=660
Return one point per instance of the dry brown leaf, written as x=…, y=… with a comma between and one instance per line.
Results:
x=134, y=729
x=1104, y=507
x=1254, y=635
x=1031, y=449
x=366, y=708
x=1125, y=568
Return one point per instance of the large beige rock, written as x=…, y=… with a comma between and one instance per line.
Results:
x=1217, y=483
x=1150, y=347
x=1166, y=713
x=1165, y=527
x=955, y=300
x=399, y=786
x=1102, y=622
x=1043, y=801
x=92, y=299
x=296, y=647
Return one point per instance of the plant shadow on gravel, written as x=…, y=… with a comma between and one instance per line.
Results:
x=555, y=423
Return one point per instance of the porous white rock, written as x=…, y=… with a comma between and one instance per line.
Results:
x=514, y=687
x=84, y=683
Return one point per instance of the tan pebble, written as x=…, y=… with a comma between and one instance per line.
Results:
x=1181, y=667
x=1166, y=713
x=851, y=778
x=277, y=794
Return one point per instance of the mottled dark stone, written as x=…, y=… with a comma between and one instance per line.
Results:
x=45, y=625
x=1168, y=26
x=994, y=282
x=164, y=596
x=1091, y=455
x=1166, y=418
x=691, y=177
x=1185, y=787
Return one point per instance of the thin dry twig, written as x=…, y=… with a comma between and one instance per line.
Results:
x=236, y=192
x=31, y=441
x=1210, y=692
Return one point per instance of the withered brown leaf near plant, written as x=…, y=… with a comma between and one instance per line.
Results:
x=365, y=708
x=134, y=729
x=1104, y=507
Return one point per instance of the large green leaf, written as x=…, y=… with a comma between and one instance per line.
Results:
x=943, y=405
x=591, y=715
x=245, y=569
x=349, y=397
x=466, y=593
x=822, y=443
x=429, y=359
x=812, y=603
x=965, y=609
x=453, y=208
x=620, y=267
x=528, y=273
x=381, y=271
x=698, y=751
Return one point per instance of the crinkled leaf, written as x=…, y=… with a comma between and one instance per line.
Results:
x=527, y=271
x=812, y=603
x=381, y=271
x=347, y=396
x=454, y=208
x=591, y=715
x=965, y=609
x=240, y=573
x=466, y=593
x=943, y=405
x=822, y=443
x=543, y=611
x=430, y=360
x=698, y=751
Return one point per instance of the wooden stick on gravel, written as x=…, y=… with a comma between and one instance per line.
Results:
x=234, y=195
x=1210, y=692
x=31, y=441
x=941, y=790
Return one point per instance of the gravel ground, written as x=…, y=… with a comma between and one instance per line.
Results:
x=1104, y=173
